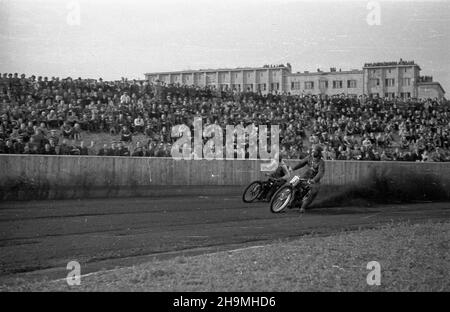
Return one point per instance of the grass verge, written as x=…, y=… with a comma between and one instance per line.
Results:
x=413, y=257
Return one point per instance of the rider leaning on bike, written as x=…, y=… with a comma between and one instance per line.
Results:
x=315, y=172
x=279, y=176
x=282, y=171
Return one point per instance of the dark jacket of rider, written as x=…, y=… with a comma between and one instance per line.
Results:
x=316, y=168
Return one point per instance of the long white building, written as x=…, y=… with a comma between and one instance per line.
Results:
x=383, y=79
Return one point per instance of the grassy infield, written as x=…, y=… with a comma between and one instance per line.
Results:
x=413, y=257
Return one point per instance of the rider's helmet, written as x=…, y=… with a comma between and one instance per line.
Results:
x=317, y=151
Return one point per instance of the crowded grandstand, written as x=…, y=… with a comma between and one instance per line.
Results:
x=65, y=116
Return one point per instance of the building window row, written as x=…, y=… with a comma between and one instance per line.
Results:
x=351, y=84
x=337, y=84
x=323, y=84
x=390, y=82
x=309, y=85
x=295, y=85
x=392, y=94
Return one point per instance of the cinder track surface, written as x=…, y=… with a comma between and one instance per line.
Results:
x=39, y=238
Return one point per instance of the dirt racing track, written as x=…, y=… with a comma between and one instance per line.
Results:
x=39, y=238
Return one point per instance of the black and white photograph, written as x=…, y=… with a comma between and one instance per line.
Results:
x=224, y=152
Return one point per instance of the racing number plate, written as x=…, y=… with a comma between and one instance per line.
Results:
x=294, y=180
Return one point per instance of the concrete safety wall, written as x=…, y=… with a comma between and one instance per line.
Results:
x=40, y=176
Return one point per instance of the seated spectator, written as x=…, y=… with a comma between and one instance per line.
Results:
x=366, y=143
x=66, y=130
x=384, y=157
x=160, y=152
x=139, y=124
x=14, y=135
x=26, y=149
x=151, y=150
x=19, y=146
x=64, y=148
x=9, y=147
x=33, y=145
x=126, y=135
x=113, y=150
x=415, y=156
x=52, y=120
x=425, y=157
x=125, y=98
x=103, y=151
x=407, y=156
x=84, y=150
x=436, y=155
x=123, y=150
x=35, y=150
x=53, y=136
x=138, y=150
x=74, y=149
x=48, y=150
x=23, y=132
x=329, y=153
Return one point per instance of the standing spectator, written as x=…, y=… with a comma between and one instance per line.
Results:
x=76, y=132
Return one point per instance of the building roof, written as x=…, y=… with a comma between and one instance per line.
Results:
x=353, y=71
x=218, y=69
x=400, y=63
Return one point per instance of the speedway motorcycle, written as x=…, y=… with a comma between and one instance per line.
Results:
x=260, y=190
x=290, y=195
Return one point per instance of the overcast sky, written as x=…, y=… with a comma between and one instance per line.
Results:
x=126, y=38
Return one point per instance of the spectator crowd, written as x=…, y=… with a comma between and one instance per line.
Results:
x=53, y=116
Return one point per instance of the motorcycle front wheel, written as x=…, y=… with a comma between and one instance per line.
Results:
x=252, y=192
x=281, y=199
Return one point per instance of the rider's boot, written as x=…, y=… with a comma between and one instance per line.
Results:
x=306, y=202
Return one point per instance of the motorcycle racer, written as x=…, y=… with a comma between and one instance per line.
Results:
x=314, y=173
x=278, y=177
